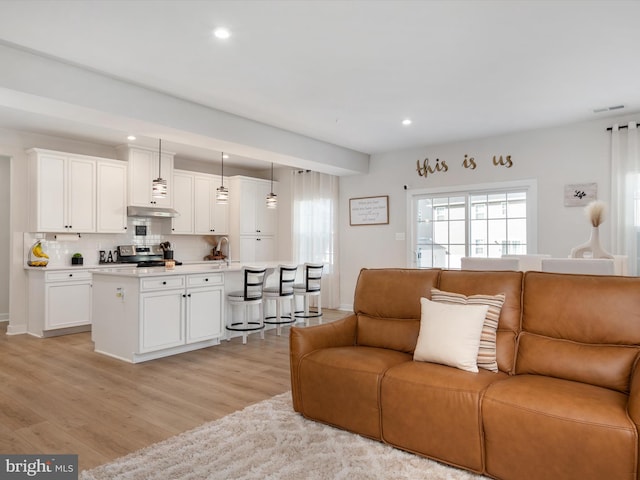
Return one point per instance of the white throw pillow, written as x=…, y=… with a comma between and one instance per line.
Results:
x=450, y=334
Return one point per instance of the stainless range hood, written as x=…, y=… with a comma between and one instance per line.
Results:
x=156, y=212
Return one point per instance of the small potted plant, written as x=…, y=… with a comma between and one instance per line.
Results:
x=76, y=259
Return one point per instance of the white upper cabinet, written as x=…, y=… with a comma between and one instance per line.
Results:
x=111, y=206
x=210, y=217
x=252, y=225
x=249, y=199
x=195, y=201
x=63, y=192
x=143, y=169
x=182, y=202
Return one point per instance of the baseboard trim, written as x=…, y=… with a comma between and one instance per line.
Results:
x=346, y=307
x=16, y=329
x=4, y=317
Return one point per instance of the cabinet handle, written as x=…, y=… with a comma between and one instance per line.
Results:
x=258, y=231
x=125, y=228
x=258, y=239
x=71, y=274
x=164, y=283
x=184, y=296
x=206, y=279
x=189, y=295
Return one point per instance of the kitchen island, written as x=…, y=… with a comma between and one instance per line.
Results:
x=141, y=314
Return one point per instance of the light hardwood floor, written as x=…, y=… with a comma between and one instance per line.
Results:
x=58, y=396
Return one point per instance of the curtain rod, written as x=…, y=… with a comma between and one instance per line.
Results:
x=609, y=129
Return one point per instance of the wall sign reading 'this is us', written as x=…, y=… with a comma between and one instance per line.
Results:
x=426, y=168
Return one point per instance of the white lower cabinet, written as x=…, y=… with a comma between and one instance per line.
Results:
x=170, y=318
x=58, y=300
x=161, y=320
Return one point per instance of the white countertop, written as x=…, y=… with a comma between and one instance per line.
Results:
x=185, y=269
x=113, y=266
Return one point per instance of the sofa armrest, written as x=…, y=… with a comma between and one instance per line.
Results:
x=302, y=341
x=633, y=408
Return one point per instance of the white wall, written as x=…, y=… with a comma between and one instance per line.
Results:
x=577, y=153
x=5, y=236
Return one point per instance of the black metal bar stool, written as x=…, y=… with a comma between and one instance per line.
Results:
x=249, y=296
x=312, y=277
x=281, y=294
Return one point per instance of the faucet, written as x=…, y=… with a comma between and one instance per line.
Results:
x=228, y=249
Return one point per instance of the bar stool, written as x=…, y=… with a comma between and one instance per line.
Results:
x=310, y=288
x=280, y=294
x=249, y=296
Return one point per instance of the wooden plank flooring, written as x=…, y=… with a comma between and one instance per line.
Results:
x=58, y=396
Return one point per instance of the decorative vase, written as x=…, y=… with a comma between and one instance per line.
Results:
x=593, y=246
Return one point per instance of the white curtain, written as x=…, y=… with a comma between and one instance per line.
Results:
x=625, y=193
x=315, y=228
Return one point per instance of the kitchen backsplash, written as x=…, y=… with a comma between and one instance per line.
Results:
x=61, y=247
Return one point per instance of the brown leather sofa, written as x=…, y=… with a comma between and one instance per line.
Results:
x=565, y=403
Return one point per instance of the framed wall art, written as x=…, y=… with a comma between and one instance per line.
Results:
x=369, y=210
x=580, y=194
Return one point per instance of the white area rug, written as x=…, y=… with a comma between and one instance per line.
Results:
x=269, y=440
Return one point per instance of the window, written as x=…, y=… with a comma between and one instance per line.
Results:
x=480, y=222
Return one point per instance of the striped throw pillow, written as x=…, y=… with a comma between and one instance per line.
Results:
x=487, y=351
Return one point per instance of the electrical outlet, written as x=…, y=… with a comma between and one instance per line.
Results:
x=120, y=293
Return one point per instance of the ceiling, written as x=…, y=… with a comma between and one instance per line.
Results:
x=348, y=72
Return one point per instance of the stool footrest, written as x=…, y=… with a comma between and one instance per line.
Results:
x=286, y=319
x=312, y=314
x=248, y=328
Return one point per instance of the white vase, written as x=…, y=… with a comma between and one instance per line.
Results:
x=593, y=246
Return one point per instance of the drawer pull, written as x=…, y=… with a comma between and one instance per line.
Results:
x=164, y=283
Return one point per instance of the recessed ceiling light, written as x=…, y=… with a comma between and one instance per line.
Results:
x=406, y=121
x=131, y=137
x=221, y=33
x=225, y=156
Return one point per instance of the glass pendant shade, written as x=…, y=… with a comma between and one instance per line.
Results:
x=159, y=188
x=272, y=200
x=159, y=185
x=222, y=193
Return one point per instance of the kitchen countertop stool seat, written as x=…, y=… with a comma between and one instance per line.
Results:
x=311, y=287
x=250, y=296
x=280, y=294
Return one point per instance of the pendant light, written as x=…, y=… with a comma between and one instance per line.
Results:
x=272, y=198
x=159, y=185
x=222, y=194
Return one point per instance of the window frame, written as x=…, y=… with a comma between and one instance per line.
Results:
x=530, y=185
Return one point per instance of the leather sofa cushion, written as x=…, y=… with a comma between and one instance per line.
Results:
x=608, y=366
x=591, y=324
x=386, y=297
x=542, y=427
x=434, y=410
x=493, y=283
x=341, y=385
x=393, y=333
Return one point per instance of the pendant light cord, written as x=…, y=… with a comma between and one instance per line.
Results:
x=222, y=170
x=160, y=158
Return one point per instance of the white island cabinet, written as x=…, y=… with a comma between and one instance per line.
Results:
x=143, y=314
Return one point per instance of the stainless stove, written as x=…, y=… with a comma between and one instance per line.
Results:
x=142, y=255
